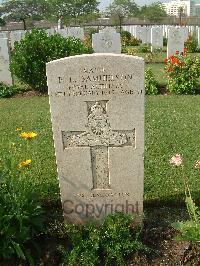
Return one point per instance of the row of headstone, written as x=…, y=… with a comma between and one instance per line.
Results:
x=76, y=32
x=143, y=32
x=108, y=40
x=17, y=36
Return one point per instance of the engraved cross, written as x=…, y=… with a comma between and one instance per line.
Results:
x=99, y=137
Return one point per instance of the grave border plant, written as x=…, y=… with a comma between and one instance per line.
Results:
x=7, y=91
x=110, y=242
x=183, y=72
x=22, y=218
x=29, y=57
x=188, y=230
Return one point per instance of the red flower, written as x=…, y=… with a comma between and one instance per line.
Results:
x=166, y=60
x=177, y=52
x=170, y=69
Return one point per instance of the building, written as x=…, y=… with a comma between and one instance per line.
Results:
x=195, y=7
x=189, y=7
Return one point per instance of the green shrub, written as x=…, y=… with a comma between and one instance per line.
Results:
x=164, y=41
x=85, y=242
x=134, y=41
x=150, y=83
x=21, y=216
x=183, y=72
x=109, y=243
x=35, y=50
x=192, y=44
x=7, y=91
x=144, y=48
x=125, y=38
x=119, y=238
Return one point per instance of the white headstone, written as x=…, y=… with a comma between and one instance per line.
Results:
x=198, y=36
x=106, y=42
x=4, y=35
x=5, y=74
x=16, y=36
x=62, y=32
x=156, y=38
x=97, y=113
x=175, y=41
x=76, y=32
x=186, y=33
x=139, y=32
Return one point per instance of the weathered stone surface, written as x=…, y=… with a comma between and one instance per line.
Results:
x=156, y=38
x=16, y=36
x=76, y=32
x=5, y=74
x=97, y=112
x=108, y=29
x=198, y=36
x=4, y=34
x=106, y=42
x=62, y=32
x=175, y=41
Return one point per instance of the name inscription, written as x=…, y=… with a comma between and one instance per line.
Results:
x=96, y=82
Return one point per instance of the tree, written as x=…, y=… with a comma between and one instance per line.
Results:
x=17, y=10
x=181, y=10
x=73, y=9
x=2, y=22
x=154, y=12
x=121, y=9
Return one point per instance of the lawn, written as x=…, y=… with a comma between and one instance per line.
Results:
x=172, y=126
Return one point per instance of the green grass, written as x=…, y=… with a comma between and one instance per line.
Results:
x=172, y=126
x=159, y=73
x=32, y=114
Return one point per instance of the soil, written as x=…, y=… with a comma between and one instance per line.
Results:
x=157, y=234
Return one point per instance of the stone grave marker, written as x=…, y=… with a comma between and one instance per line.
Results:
x=62, y=32
x=4, y=34
x=108, y=29
x=175, y=41
x=106, y=42
x=97, y=113
x=138, y=32
x=5, y=74
x=76, y=32
x=198, y=36
x=16, y=36
x=156, y=38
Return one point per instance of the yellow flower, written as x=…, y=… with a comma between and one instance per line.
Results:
x=18, y=129
x=176, y=160
x=25, y=163
x=28, y=135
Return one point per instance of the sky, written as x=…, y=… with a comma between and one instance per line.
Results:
x=105, y=3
